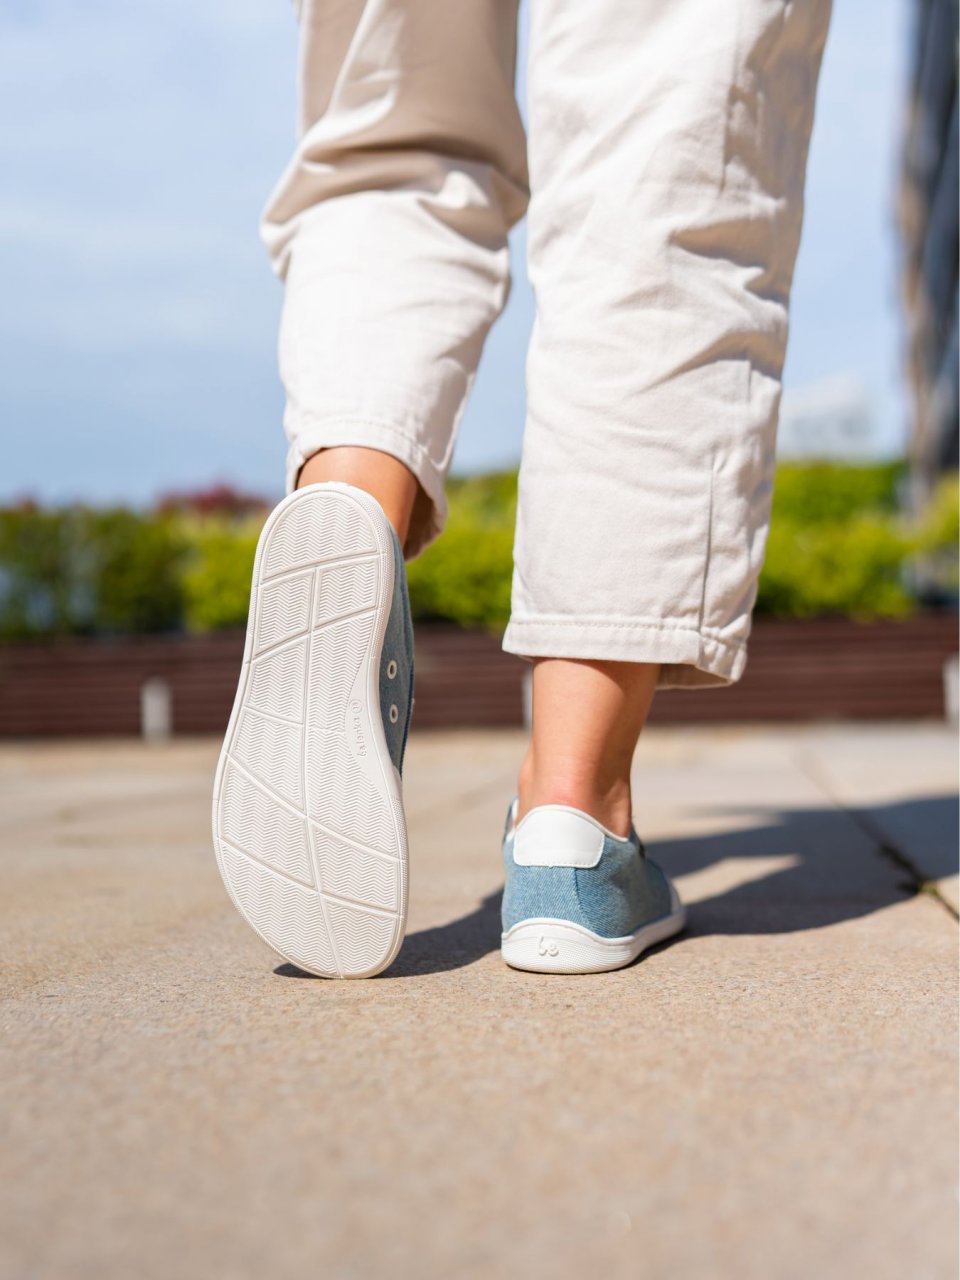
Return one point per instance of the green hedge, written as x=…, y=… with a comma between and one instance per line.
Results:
x=464, y=576
x=81, y=572
x=216, y=578
x=838, y=544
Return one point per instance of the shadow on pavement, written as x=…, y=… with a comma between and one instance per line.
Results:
x=819, y=887
x=453, y=945
x=436, y=950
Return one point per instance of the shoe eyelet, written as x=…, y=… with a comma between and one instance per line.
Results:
x=394, y=713
x=391, y=669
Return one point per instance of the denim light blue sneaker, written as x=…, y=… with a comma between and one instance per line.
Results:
x=308, y=820
x=579, y=899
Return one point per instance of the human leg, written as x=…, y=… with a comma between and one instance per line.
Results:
x=389, y=228
x=587, y=717
x=667, y=159
x=667, y=154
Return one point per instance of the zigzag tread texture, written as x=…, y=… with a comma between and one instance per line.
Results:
x=284, y=610
x=329, y=895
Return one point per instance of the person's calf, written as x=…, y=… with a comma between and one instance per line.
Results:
x=587, y=717
x=380, y=474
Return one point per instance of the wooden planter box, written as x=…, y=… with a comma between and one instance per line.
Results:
x=822, y=668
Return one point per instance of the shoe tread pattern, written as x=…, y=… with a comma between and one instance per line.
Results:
x=311, y=850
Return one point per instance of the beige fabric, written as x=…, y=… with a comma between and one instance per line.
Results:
x=667, y=149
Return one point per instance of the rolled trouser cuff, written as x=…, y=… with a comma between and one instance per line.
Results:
x=688, y=657
x=309, y=435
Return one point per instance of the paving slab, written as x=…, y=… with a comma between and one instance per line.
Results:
x=902, y=788
x=772, y=1096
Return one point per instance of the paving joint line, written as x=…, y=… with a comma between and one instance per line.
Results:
x=921, y=884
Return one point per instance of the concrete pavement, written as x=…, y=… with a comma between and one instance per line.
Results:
x=772, y=1096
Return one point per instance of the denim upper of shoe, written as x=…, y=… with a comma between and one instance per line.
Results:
x=623, y=892
x=396, y=664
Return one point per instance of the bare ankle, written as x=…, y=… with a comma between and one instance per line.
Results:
x=379, y=474
x=607, y=800
x=587, y=717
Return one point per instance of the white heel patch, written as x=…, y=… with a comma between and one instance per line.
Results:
x=554, y=835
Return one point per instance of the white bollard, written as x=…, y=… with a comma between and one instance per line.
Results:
x=156, y=710
x=951, y=690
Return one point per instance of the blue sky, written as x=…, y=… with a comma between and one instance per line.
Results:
x=138, y=314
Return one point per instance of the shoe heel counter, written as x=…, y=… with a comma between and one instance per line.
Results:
x=539, y=893
x=554, y=835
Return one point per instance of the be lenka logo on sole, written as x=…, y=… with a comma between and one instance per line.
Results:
x=356, y=725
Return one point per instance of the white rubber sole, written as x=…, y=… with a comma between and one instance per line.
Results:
x=559, y=946
x=308, y=822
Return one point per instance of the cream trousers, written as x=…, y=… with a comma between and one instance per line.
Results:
x=667, y=149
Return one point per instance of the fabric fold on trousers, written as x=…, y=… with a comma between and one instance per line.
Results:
x=667, y=156
x=390, y=227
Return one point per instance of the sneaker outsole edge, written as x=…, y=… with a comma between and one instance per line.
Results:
x=308, y=822
x=560, y=946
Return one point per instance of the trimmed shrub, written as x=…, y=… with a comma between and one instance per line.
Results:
x=809, y=493
x=937, y=539
x=217, y=572
x=464, y=576
x=75, y=571
x=855, y=567
x=838, y=544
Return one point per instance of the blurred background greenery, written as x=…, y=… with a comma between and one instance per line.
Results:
x=840, y=544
